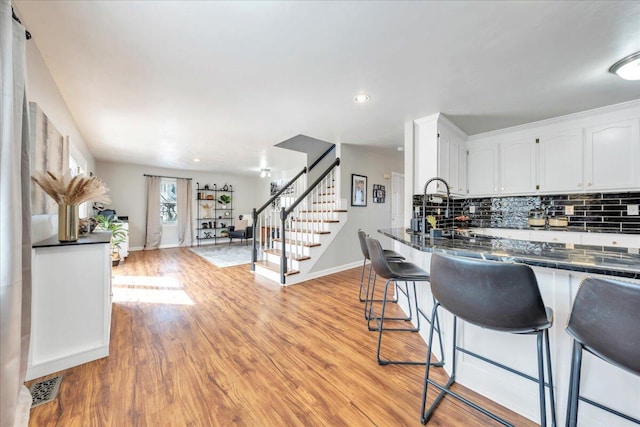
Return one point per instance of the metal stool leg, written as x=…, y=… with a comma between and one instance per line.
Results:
x=550, y=374
x=574, y=385
x=369, y=313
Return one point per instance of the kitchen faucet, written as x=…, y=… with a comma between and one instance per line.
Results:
x=424, y=202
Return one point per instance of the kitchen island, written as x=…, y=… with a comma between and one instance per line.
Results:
x=559, y=269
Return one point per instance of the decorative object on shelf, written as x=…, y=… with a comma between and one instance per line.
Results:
x=226, y=187
x=210, y=197
x=224, y=199
x=87, y=225
x=206, y=186
x=208, y=213
x=227, y=213
x=205, y=225
x=379, y=193
x=358, y=190
x=69, y=192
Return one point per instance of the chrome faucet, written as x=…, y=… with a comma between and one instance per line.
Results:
x=424, y=201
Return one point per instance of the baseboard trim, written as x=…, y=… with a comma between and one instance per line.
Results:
x=332, y=270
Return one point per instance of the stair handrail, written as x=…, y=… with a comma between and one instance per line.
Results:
x=319, y=159
x=310, y=188
x=284, y=214
x=256, y=212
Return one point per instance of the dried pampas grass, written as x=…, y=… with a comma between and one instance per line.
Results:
x=72, y=190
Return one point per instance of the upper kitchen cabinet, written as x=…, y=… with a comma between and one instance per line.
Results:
x=612, y=156
x=439, y=150
x=561, y=161
x=518, y=167
x=483, y=170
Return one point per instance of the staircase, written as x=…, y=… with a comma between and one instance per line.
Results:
x=294, y=228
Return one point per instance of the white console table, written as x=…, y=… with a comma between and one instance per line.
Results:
x=71, y=303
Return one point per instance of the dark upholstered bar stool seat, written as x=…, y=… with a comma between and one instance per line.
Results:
x=493, y=295
x=395, y=272
x=390, y=255
x=605, y=321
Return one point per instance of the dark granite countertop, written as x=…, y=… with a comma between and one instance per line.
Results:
x=610, y=261
x=93, y=238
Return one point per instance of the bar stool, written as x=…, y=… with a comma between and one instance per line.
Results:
x=395, y=272
x=605, y=321
x=388, y=254
x=493, y=295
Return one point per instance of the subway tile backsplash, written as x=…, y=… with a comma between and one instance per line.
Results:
x=604, y=212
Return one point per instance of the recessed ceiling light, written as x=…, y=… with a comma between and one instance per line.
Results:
x=196, y=160
x=628, y=68
x=361, y=99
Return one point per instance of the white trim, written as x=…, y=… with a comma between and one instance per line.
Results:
x=624, y=106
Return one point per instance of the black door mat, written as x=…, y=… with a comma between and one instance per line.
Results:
x=44, y=391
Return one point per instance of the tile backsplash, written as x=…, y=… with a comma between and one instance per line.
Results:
x=604, y=212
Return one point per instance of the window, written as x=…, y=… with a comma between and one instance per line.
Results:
x=168, y=200
x=78, y=166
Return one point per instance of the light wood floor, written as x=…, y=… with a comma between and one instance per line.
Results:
x=246, y=352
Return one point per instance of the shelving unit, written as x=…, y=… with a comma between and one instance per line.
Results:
x=213, y=218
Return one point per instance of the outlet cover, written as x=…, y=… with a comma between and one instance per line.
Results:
x=632, y=210
x=472, y=209
x=568, y=210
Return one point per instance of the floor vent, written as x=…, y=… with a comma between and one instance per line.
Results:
x=44, y=391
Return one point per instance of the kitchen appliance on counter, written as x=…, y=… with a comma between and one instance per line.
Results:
x=537, y=218
x=558, y=221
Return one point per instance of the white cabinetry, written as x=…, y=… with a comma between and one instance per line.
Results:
x=612, y=156
x=561, y=161
x=71, y=303
x=439, y=150
x=518, y=167
x=483, y=170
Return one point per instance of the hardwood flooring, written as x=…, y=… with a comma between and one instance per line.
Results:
x=218, y=347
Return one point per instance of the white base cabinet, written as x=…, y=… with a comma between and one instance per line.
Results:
x=71, y=304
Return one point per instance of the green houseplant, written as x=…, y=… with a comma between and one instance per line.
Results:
x=118, y=235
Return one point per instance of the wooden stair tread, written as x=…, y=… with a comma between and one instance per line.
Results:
x=275, y=267
x=298, y=243
x=278, y=252
x=299, y=230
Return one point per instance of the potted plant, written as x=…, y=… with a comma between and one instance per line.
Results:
x=224, y=199
x=118, y=235
x=433, y=222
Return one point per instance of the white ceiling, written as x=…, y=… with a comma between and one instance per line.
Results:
x=162, y=82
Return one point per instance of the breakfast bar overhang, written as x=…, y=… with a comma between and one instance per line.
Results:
x=559, y=269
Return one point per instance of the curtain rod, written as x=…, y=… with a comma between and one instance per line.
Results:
x=162, y=176
x=26, y=32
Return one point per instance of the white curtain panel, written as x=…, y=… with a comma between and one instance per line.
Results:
x=154, y=222
x=15, y=224
x=184, y=208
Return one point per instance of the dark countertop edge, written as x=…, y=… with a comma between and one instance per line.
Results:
x=570, y=228
x=97, y=237
x=533, y=262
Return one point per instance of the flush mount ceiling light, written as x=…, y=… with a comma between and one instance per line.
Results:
x=628, y=68
x=265, y=172
x=361, y=99
x=196, y=160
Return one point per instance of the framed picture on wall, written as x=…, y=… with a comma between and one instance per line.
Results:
x=358, y=190
x=379, y=193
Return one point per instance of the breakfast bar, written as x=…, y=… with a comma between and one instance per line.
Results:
x=559, y=270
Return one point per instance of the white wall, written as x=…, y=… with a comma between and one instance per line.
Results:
x=373, y=163
x=42, y=89
x=128, y=193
